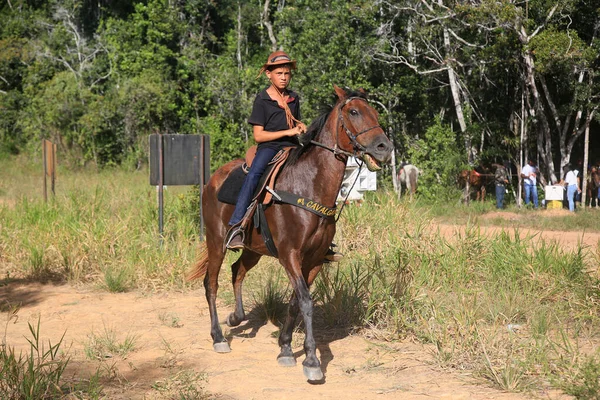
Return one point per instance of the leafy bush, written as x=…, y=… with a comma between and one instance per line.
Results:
x=440, y=160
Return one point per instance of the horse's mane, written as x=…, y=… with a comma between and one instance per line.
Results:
x=313, y=130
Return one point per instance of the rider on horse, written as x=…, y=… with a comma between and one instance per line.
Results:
x=276, y=124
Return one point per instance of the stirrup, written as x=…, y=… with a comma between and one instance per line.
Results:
x=235, y=238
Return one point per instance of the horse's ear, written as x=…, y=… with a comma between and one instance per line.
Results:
x=363, y=91
x=341, y=93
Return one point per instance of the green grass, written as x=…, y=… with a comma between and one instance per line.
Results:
x=106, y=344
x=35, y=375
x=583, y=220
x=509, y=307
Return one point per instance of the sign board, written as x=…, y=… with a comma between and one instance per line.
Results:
x=362, y=179
x=178, y=160
x=185, y=159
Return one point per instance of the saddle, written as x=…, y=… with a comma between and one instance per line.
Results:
x=266, y=194
x=231, y=187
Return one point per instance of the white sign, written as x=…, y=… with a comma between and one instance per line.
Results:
x=365, y=181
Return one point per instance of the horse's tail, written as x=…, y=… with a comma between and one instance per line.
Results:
x=200, y=267
x=413, y=179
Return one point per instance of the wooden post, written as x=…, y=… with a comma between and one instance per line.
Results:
x=49, y=159
x=160, y=187
x=45, y=170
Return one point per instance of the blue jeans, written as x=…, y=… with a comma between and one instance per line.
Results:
x=571, y=191
x=259, y=164
x=500, y=190
x=531, y=191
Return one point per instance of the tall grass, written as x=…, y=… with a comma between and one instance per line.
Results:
x=101, y=228
x=35, y=375
x=511, y=308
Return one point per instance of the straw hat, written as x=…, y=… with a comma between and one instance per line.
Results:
x=278, y=58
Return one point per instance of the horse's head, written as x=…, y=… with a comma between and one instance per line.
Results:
x=358, y=130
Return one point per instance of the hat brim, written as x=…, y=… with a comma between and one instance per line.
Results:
x=291, y=63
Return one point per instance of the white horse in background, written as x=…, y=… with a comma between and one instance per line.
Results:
x=408, y=177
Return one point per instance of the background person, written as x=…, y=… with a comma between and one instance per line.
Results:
x=529, y=175
x=570, y=180
x=501, y=180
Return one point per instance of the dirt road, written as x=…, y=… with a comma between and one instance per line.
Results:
x=171, y=334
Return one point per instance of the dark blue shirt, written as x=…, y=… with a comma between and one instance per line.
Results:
x=267, y=113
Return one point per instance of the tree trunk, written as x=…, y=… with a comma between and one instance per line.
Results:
x=267, y=23
x=586, y=142
x=454, y=88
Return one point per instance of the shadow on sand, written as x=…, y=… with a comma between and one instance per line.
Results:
x=324, y=335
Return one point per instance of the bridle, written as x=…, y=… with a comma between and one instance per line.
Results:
x=358, y=149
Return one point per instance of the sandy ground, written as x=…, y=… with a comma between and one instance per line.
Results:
x=590, y=241
x=171, y=334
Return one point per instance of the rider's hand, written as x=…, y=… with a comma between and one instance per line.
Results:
x=301, y=128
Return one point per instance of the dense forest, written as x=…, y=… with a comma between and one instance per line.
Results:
x=455, y=83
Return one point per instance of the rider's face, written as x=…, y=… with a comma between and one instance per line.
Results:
x=280, y=77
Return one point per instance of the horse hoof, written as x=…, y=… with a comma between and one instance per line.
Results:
x=286, y=361
x=313, y=374
x=232, y=321
x=221, y=347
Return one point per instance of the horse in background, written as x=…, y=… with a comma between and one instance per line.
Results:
x=408, y=177
x=478, y=179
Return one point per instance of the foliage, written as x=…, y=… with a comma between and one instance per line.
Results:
x=99, y=78
x=440, y=160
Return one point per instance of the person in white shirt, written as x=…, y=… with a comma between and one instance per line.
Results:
x=529, y=175
x=571, y=181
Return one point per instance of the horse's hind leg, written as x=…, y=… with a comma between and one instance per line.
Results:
x=215, y=256
x=247, y=260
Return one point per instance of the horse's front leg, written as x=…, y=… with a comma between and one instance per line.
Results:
x=301, y=284
x=286, y=356
x=312, y=366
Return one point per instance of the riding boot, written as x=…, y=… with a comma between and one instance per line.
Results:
x=333, y=255
x=235, y=238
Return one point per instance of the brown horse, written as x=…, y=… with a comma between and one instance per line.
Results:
x=478, y=181
x=315, y=171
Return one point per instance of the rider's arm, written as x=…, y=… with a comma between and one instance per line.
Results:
x=260, y=135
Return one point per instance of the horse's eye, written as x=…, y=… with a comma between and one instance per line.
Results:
x=353, y=112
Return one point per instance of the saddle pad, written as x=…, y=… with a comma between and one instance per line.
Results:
x=231, y=187
x=230, y=190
